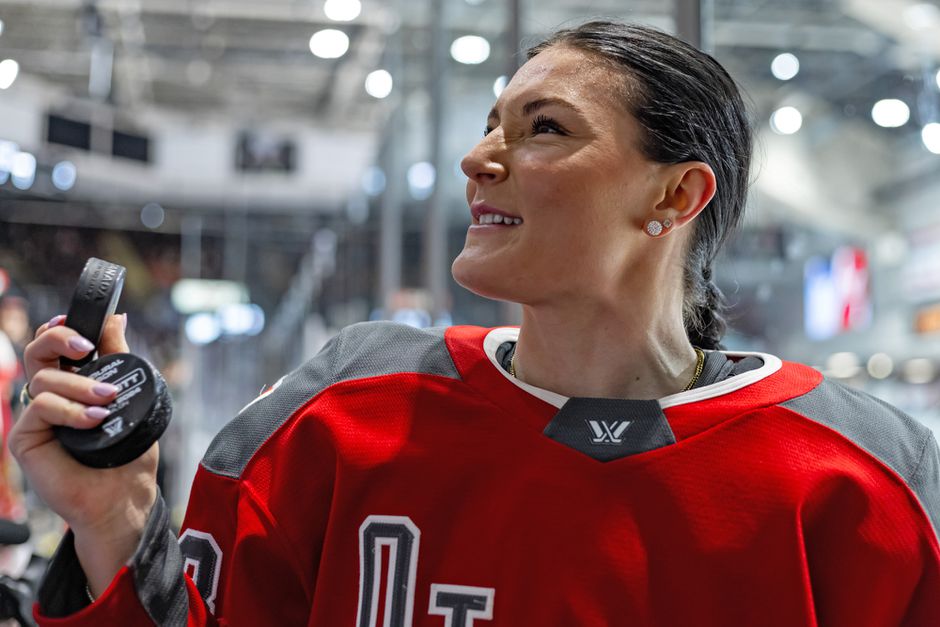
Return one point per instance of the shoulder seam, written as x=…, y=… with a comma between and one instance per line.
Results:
x=306, y=406
x=920, y=460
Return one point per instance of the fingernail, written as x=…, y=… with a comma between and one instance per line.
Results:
x=96, y=413
x=77, y=342
x=104, y=389
x=56, y=321
x=124, y=315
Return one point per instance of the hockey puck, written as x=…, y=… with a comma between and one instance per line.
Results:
x=95, y=298
x=138, y=416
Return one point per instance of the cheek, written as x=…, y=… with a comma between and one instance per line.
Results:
x=546, y=186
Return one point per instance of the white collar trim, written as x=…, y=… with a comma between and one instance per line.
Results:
x=772, y=364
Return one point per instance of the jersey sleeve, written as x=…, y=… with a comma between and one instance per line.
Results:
x=872, y=553
x=249, y=548
x=924, y=606
x=150, y=589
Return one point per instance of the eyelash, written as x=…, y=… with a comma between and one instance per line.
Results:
x=539, y=122
x=542, y=120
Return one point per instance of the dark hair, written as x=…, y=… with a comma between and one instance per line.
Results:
x=690, y=109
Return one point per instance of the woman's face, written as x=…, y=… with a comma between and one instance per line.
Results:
x=561, y=155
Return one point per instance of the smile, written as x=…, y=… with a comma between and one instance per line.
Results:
x=495, y=218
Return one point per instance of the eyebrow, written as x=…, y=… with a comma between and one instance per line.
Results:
x=532, y=106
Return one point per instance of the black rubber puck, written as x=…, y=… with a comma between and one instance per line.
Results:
x=138, y=416
x=95, y=298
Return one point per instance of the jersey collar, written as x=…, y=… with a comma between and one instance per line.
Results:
x=772, y=364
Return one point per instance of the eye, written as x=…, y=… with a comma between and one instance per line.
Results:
x=543, y=124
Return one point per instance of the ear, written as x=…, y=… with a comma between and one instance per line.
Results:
x=691, y=185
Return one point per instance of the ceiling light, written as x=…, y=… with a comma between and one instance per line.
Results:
x=1, y=27
x=23, y=170
x=499, y=85
x=203, y=328
x=64, y=175
x=921, y=16
x=152, y=215
x=379, y=84
x=931, y=137
x=938, y=79
x=919, y=371
x=373, y=181
x=843, y=365
x=329, y=43
x=421, y=177
x=786, y=120
x=9, y=69
x=785, y=66
x=470, y=50
x=880, y=366
x=8, y=150
x=241, y=319
x=890, y=113
x=342, y=10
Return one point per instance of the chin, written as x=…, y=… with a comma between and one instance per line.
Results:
x=483, y=277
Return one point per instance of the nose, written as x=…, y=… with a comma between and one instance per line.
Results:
x=483, y=164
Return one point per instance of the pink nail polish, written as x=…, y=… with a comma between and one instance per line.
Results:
x=55, y=321
x=96, y=413
x=104, y=390
x=77, y=342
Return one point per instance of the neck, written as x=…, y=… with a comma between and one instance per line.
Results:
x=605, y=352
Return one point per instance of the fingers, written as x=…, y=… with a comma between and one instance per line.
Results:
x=54, y=340
x=50, y=409
x=112, y=339
x=72, y=386
x=52, y=343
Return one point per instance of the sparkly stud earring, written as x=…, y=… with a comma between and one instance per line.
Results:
x=667, y=223
x=654, y=228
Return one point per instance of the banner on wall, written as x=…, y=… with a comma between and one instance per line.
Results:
x=837, y=294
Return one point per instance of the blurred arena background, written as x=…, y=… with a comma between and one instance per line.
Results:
x=271, y=171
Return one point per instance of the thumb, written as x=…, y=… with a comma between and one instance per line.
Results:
x=112, y=339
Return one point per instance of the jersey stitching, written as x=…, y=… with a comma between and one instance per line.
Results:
x=920, y=460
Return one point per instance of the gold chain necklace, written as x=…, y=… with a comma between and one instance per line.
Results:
x=699, y=366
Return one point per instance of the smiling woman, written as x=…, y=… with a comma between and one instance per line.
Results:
x=603, y=464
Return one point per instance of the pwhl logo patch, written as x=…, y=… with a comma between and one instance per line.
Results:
x=608, y=432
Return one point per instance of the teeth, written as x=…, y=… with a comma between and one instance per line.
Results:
x=495, y=218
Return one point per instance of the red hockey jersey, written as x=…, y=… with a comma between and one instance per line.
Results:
x=402, y=477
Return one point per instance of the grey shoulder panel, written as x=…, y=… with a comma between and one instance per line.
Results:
x=926, y=481
x=367, y=349
x=884, y=431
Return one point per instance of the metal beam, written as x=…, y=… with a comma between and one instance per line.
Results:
x=688, y=16
x=435, y=238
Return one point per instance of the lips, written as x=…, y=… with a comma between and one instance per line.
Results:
x=481, y=211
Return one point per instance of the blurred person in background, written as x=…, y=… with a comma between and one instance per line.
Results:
x=605, y=464
x=14, y=323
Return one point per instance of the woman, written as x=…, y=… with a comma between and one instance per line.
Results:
x=602, y=465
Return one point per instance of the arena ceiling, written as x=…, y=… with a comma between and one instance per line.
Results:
x=244, y=55
x=250, y=59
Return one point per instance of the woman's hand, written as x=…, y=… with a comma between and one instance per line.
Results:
x=105, y=508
